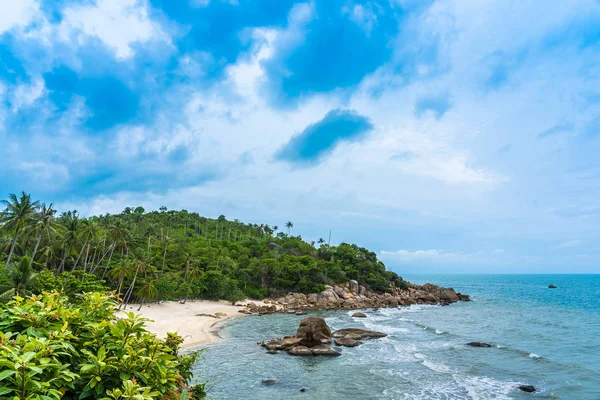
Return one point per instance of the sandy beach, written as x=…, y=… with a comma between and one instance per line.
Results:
x=195, y=321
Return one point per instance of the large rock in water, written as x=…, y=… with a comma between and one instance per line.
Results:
x=478, y=344
x=527, y=388
x=313, y=331
x=313, y=338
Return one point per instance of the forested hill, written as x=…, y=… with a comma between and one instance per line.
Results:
x=170, y=254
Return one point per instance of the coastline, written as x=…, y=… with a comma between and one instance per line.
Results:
x=196, y=321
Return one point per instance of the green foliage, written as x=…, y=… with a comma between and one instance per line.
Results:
x=176, y=255
x=53, y=347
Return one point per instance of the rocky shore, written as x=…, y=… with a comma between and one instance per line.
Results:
x=352, y=295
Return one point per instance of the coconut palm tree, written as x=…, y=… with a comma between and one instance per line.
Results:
x=147, y=292
x=70, y=238
x=289, y=225
x=45, y=223
x=20, y=276
x=19, y=213
x=194, y=273
x=119, y=272
x=87, y=231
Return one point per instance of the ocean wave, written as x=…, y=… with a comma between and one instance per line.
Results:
x=533, y=355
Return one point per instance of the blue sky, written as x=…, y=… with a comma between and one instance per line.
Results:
x=448, y=136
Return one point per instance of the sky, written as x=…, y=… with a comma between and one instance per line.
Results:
x=448, y=136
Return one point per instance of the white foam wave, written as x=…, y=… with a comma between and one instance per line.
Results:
x=441, y=368
x=439, y=331
x=533, y=355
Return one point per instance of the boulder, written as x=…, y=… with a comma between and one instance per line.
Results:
x=300, y=312
x=447, y=294
x=313, y=328
x=346, y=342
x=358, y=334
x=359, y=314
x=272, y=351
x=478, y=344
x=269, y=382
x=303, y=389
x=354, y=287
x=551, y=287
x=300, y=351
x=527, y=388
x=324, y=350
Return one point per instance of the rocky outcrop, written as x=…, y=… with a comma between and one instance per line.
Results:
x=478, y=344
x=313, y=338
x=527, y=388
x=352, y=295
x=551, y=287
x=359, y=315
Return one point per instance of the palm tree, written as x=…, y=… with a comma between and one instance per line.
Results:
x=20, y=276
x=69, y=240
x=275, y=228
x=147, y=292
x=289, y=225
x=193, y=274
x=87, y=231
x=321, y=241
x=45, y=223
x=139, y=266
x=19, y=213
x=119, y=273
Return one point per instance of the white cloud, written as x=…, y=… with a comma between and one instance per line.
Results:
x=118, y=23
x=17, y=13
x=26, y=94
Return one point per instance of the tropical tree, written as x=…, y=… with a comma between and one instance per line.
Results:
x=147, y=292
x=20, y=276
x=45, y=223
x=289, y=225
x=19, y=213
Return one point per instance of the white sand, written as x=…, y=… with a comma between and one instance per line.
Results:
x=171, y=316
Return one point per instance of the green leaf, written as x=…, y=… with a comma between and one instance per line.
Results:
x=6, y=374
x=5, y=390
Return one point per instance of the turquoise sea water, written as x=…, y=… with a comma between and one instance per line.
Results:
x=549, y=338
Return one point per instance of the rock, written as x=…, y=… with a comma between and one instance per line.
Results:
x=272, y=351
x=356, y=334
x=313, y=329
x=267, y=301
x=447, y=294
x=300, y=312
x=551, y=287
x=269, y=382
x=346, y=342
x=527, y=388
x=359, y=314
x=303, y=389
x=463, y=297
x=324, y=350
x=478, y=344
x=221, y=314
x=300, y=351
x=354, y=287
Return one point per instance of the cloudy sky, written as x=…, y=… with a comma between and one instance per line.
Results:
x=448, y=136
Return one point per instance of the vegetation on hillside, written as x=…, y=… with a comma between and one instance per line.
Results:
x=165, y=255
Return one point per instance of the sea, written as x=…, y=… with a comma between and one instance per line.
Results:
x=548, y=338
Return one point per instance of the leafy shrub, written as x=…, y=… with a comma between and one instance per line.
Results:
x=53, y=347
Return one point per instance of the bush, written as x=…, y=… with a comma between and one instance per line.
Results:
x=53, y=347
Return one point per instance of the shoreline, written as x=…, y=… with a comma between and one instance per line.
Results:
x=196, y=321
